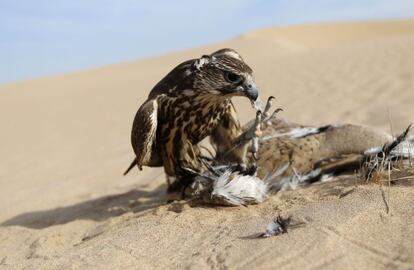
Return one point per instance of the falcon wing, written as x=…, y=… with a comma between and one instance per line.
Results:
x=143, y=136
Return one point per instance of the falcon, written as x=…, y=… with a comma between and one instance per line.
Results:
x=191, y=102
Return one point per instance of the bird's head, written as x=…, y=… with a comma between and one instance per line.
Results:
x=224, y=74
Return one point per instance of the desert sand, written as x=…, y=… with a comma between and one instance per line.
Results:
x=64, y=203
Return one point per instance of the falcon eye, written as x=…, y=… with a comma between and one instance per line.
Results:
x=233, y=78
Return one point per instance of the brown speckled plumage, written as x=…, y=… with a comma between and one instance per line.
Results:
x=189, y=104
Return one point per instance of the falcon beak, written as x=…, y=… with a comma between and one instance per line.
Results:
x=250, y=90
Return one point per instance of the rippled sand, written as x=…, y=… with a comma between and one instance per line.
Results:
x=65, y=143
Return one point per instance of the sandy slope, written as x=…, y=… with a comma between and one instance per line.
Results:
x=65, y=142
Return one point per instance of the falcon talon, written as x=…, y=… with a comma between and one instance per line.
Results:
x=258, y=121
x=268, y=120
x=268, y=106
x=255, y=148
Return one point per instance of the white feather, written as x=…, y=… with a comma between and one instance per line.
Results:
x=280, y=171
x=258, y=105
x=295, y=133
x=373, y=151
x=201, y=62
x=404, y=149
x=236, y=189
x=296, y=180
x=233, y=55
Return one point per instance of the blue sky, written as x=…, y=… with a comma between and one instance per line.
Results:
x=40, y=38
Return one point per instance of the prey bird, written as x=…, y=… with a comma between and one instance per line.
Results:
x=192, y=102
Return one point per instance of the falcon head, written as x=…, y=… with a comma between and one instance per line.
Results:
x=223, y=74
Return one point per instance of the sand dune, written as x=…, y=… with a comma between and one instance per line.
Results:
x=65, y=143
x=328, y=35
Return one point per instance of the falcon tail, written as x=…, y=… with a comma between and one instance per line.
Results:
x=132, y=165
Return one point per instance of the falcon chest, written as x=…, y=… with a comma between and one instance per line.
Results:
x=185, y=118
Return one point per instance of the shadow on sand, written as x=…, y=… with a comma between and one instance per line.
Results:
x=98, y=209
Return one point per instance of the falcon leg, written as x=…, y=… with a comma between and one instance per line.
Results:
x=232, y=140
x=255, y=131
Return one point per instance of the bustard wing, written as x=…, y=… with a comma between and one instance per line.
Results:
x=143, y=135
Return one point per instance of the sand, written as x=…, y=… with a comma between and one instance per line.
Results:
x=64, y=203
